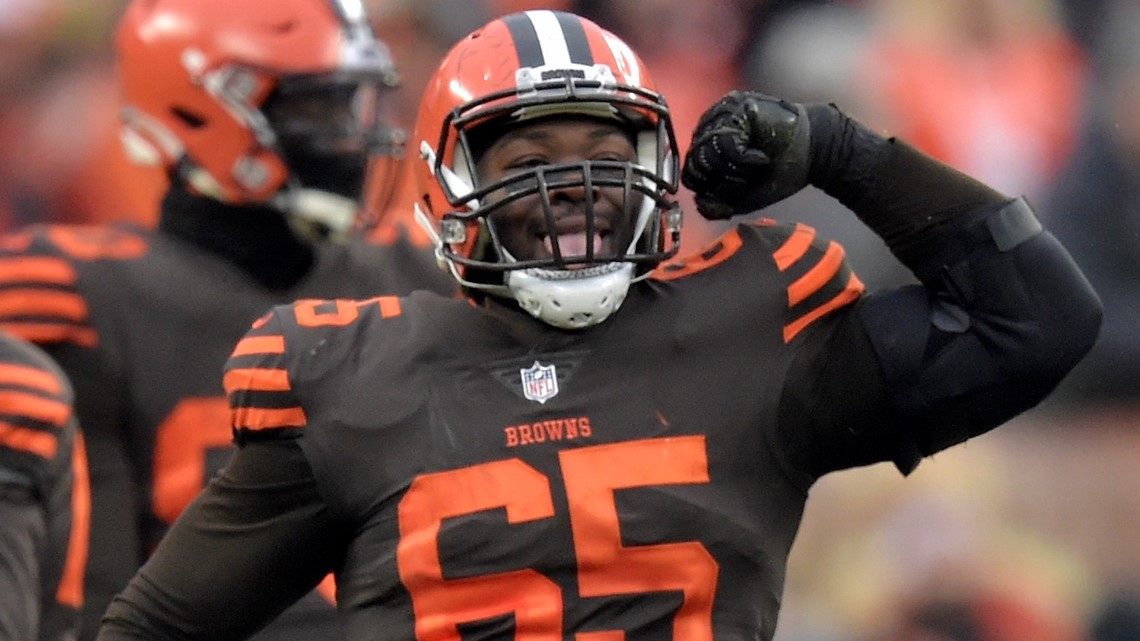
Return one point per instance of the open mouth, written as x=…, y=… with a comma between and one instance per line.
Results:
x=577, y=244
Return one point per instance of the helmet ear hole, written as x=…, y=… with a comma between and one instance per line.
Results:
x=191, y=119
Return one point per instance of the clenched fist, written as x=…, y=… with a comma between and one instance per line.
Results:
x=748, y=151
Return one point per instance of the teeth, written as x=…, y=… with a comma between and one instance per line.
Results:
x=573, y=244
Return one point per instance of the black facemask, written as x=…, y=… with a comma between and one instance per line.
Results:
x=327, y=129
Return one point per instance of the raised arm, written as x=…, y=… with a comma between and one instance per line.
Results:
x=1002, y=313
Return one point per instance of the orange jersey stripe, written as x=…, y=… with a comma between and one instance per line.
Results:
x=717, y=252
x=41, y=302
x=327, y=589
x=96, y=243
x=389, y=306
x=24, y=376
x=600, y=635
x=853, y=290
x=258, y=418
x=260, y=322
x=817, y=277
x=256, y=379
x=260, y=345
x=70, y=589
x=42, y=444
x=36, y=269
x=38, y=408
x=794, y=247
x=16, y=242
x=46, y=333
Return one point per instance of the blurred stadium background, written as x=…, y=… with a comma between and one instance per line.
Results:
x=1030, y=533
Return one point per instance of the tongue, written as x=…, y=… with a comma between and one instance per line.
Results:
x=574, y=244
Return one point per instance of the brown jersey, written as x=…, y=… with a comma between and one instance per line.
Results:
x=469, y=472
x=143, y=322
x=44, y=500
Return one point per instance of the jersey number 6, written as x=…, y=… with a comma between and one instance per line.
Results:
x=605, y=566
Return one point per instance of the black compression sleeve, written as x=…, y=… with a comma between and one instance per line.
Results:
x=846, y=156
x=1003, y=313
x=905, y=196
x=256, y=540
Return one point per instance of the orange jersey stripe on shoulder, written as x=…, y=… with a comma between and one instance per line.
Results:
x=262, y=320
x=16, y=242
x=24, y=376
x=389, y=306
x=600, y=635
x=257, y=379
x=259, y=418
x=62, y=305
x=36, y=269
x=38, y=408
x=42, y=444
x=47, y=333
x=94, y=242
x=715, y=253
x=70, y=589
x=327, y=589
x=794, y=247
x=851, y=291
x=274, y=344
x=817, y=277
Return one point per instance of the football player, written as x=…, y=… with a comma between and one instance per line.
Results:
x=266, y=115
x=44, y=498
x=605, y=443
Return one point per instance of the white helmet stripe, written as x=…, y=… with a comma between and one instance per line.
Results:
x=555, y=52
x=351, y=12
x=545, y=38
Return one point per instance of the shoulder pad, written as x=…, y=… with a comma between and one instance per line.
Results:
x=263, y=368
x=814, y=270
x=39, y=297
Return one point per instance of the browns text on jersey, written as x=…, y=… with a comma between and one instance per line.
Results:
x=556, y=429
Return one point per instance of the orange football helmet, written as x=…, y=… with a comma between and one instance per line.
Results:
x=281, y=102
x=528, y=65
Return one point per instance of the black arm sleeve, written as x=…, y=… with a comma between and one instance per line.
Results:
x=989, y=336
x=258, y=538
x=1002, y=315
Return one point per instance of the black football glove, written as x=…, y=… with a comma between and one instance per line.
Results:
x=748, y=151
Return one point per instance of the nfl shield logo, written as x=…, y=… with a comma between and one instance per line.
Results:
x=540, y=382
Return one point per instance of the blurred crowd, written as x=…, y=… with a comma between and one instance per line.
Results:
x=1034, y=534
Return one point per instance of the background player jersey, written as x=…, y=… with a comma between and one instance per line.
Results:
x=44, y=506
x=143, y=323
x=640, y=479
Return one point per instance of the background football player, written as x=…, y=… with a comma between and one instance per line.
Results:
x=266, y=115
x=44, y=498
x=605, y=443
